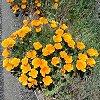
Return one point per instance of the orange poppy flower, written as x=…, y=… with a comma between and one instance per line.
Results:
x=31, y=54
x=63, y=54
x=83, y=57
x=92, y=52
x=80, y=45
x=9, y=1
x=37, y=45
x=59, y=32
x=33, y=73
x=67, y=37
x=15, y=61
x=58, y=46
x=68, y=59
x=91, y=62
x=57, y=38
x=55, y=61
x=36, y=62
x=24, y=61
x=45, y=70
x=23, y=79
x=71, y=43
x=63, y=26
x=68, y=67
x=31, y=82
x=23, y=6
x=38, y=29
x=47, y=80
x=81, y=65
x=9, y=42
x=56, y=5
x=25, y=68
x=6, y=53
x=24, y=1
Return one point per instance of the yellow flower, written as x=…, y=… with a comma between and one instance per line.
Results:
x=81, y=65
x=38, y=5
x=4, y=43
x=25, y=68
x=63, y=54
x=56, y=0
x=68, y=67
x=56, y=5
x=23, y=6
x=57, y=38
x=25, y=22
x=30, y=79
x=15, y=8
x=23, y=31
x=55, y=61
x=45, y=70
x=24, y=61
x=38, y=29
x=67, y=37
x=53, y=24
x=62, y=72
x=58, y=46
x=91, y=62
x=59, y=32
x=49, y=49
x=9, y=67
x=47, y=80
x=63, y=26
x=43, y=63
x=9, y=1
x=92, y=52
x=43, y=20
x=23, y=79
x=36, y=62
x=32, y=82
x=31, y=54
x=36, y=23
x=6, y=53
x=45, y=52
x=36, y=1
x=80, y=45
x=24, y=1
x=15, y=61
x=71, y=43
x=82, y=56
x=37, y=45
x=68, y=59
x=9, y=42
x=33, y=73
x=37, y=12
x=7, y=64
x=13, y=35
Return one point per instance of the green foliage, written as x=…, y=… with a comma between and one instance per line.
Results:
x=80, y=15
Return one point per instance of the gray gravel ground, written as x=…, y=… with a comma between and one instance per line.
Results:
x=12, y=89
x=1, y=69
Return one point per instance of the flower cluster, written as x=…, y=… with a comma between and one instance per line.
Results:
x=38, y=63
x=43, y=48
x=36, y=5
